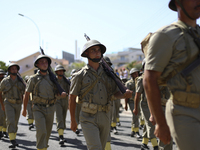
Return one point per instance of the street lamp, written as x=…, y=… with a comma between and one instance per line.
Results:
x=35, y=25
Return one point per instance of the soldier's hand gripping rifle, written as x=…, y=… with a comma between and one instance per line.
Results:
x=53, y=76
x=111, y=73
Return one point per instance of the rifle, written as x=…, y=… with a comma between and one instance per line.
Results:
x=20, y=79
x=53, y=76
x=110, y=72
x=66, y=80
x=195, y=63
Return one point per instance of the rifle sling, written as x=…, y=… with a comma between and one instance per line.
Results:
x=93, y=84
x=190, y=60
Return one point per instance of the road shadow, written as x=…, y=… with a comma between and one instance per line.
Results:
x=116, y=141
x=76, y=143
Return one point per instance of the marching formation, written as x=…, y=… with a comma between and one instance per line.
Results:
x=163, y=95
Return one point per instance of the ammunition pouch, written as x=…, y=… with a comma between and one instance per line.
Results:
x=15, y=101
x=186, y=99
x=93, y=108
x=39, y=100
x=163, y=101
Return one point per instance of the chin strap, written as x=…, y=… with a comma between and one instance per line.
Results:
x=179, y=3
x=14, y=74
x=43, y=70
x=95, y=59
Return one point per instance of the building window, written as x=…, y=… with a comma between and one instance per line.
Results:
x=122, y=58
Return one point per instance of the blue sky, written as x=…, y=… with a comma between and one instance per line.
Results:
x=117, y=24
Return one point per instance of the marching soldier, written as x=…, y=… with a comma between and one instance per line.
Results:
x=148, y=132
x=171, y=49
x=108, y=145
x=43, y=92
x=130, y=84
x=115, y=115
x=78, y=106
x=29, y=109
x=12, y=89
x=61, y=104
x=3, y=127
x=94, y=88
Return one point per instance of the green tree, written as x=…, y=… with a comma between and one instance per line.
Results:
x=3, y=66
x=75, y=65
x=134, y=64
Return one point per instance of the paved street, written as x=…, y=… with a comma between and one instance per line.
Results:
x=122, y=141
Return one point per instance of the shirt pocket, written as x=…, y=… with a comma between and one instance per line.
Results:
x=87, y=80
x=7, y=87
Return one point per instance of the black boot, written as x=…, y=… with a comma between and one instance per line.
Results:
x=155, y=148
x=62, y=140
x=138, y=136
x=111, y=128
x=5, y=134
x=144, y=147
x=31, y=126
x=115, y=131
x=1, y=134
x=141, y=127
x=132, y=133
x=77, y=131
x=118, y=124
x=13, y=144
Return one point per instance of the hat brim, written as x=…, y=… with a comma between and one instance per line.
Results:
x=48, y=59
x=103, y=49
x=172, y=5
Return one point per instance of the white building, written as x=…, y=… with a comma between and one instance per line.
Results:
x=27, y=64
x=129, y=55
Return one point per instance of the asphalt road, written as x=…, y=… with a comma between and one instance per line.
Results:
x=27, y=140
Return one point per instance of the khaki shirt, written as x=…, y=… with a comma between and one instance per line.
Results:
x=65, y=87
x=140, y=89
x=12, y=89
x=130, y=84
x=45, y=87
x=99, y=94
x=168, y=50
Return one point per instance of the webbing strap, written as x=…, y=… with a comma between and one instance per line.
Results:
x=189, y=60
x=93, y=84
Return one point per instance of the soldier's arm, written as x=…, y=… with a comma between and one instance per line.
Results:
x=1, y=101
x=72, y=108
x=136, y=102
x=119, y=95
x=154, y=101
x=25, y=102
x=126, y=102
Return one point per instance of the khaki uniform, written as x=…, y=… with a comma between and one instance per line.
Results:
x=13, y=91
x=165, y=95
x=77, y=113
x=115, y=114
x=168, y=49
x=43, y=92
x=30, y=111
x=62, y=106
x=135, y=118
x=3, y=126
x=148, y=132
x=94, y=115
